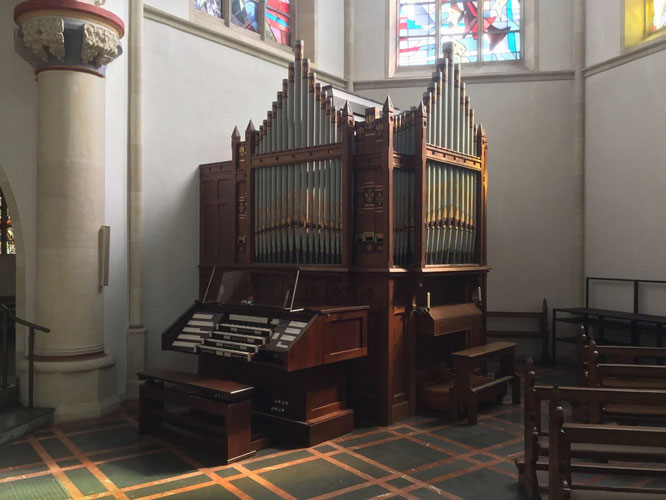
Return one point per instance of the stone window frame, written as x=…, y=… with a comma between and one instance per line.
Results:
x=303, y=13
x=529, y=36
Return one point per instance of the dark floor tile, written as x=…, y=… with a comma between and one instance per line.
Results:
x=402, y=430
x=145, y=468
x=451, y=448
x=477, y=436
x=399, y=482
x=214, y=492
x=90, y=425
x=55, y=448
x=17, y=454
x=325, y=448
x=147, y=447
x=509, y=450
x=282, y=459
x=442, y=469
x=402, y=454
x=329, y=478
x=482, y=458
x=84, y=480
x=372, y=491
x=104, y=439
x=516, y=417
x=254, y=489
x=43, y=434
x=227, y=472
x=43, y=488
x=23, y=471
x=370, y=438
x=68, y=462
x=482, y=483
x=361, y=465
x=426, y=493
x=165, y=487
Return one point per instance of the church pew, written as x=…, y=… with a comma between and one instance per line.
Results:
x=565, y=436
x=596, y=400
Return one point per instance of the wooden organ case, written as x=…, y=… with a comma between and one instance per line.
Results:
x=376, y=207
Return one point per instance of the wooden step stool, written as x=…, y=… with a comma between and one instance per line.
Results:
x=220, y=411
x=466, y=394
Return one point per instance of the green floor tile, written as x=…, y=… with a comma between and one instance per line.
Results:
x=227, y=472
x=363, y=440
x=313, y=478
x=254, y=489
x=441, y=470
x=482, y=483
x=36, y=488
x=372, y=491
x=287, y=457
x=170, y=486
x=402, y=454
x=399, y=482
x=145, y=468
x=17, y=454
x=361, y=465
x=23, y=471
x=84, y=480
x=214, y=492
x=55, y=448
x=105, y=439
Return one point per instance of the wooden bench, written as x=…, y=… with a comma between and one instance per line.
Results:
x=541, y=331
x=597, y=400
x=564, y=436
x=466, y=393
x=219, y=413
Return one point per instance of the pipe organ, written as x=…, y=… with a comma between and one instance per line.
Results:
x=376, y=207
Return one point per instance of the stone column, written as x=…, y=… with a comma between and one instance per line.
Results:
x=69, y=43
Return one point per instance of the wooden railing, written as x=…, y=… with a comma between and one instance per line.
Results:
x=6, y=312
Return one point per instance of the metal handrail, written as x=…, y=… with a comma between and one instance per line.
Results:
x=31, y=346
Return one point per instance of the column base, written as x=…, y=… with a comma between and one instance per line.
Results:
x=77, y=389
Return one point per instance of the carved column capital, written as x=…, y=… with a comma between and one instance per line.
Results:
x=68, y=35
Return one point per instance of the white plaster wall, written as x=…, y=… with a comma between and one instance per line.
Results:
x=603, y=30
x=626, y=178
x=530, y=192
x=18, y=150
x=555, y=36
x=116, y=301
x=331, y=36
x=196, y=91
x=370, y=39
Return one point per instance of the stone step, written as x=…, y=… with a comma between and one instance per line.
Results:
x=16, y=421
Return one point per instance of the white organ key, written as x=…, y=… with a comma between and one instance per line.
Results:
x=185, y=336
x=294, y=331
x=298, y=324
x=248, y=319
x=202, y=316
x=200, y=323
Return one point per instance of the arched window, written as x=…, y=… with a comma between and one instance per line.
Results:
x=7, y=243
x=276, y=15
x=490, y=30
x=656, y=15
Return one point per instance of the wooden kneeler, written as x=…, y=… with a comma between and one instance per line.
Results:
x=219, y=412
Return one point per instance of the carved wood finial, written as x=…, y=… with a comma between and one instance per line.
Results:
x=235, y=135
x=388, y=105
x=250, y=127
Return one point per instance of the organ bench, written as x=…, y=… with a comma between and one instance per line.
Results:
x=219, y=416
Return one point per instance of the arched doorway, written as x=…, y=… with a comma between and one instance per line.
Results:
x=12, y=271
x=7, y=295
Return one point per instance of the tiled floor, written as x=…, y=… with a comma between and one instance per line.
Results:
x=423, y=457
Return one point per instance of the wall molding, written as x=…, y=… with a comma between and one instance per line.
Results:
x=523, y=76
x=233, y=38
x=638, y=52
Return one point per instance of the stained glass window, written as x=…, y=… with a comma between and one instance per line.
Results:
x=212, y=7
x=276, y=15
x=244, y=13
x=7, y=242
x=658, y=15
x=495, y=22
x=278, y=22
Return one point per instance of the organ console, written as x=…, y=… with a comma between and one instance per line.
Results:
x=376, y=208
